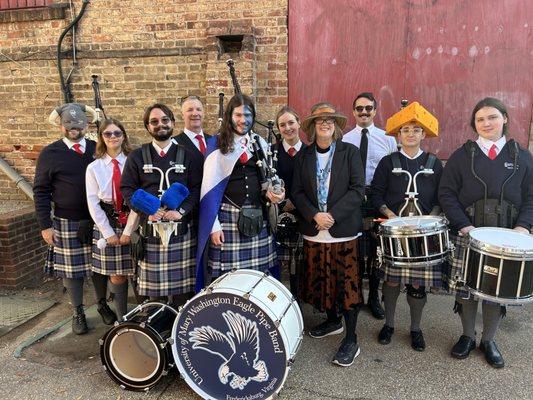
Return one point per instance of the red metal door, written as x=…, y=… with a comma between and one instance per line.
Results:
x=447, y=54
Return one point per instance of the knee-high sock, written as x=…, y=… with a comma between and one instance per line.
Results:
x=75, y=290
x=468, y=314
x=415, y=307
x=390, y=298
x=120, y=300
x=492, y=316
x=100, y=285
x=350, y=318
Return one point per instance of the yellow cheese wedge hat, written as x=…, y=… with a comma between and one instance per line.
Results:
x=414, y=112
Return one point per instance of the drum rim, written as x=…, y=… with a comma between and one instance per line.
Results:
x=441, y=225
x=500, y=300
x=491, y=249
x=163, y=356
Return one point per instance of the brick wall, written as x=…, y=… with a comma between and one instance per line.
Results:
x=143, y=52
x=22, y=249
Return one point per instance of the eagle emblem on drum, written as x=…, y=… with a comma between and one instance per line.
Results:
x=239, y=348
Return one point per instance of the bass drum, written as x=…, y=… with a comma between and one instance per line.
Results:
x=136, y=353
x=238, y=338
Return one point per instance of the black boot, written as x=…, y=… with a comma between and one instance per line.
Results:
x=373, y=297
x=463, y=347
x=492, y=354
x=108, y=316
x=79, y=322
x=385, y=334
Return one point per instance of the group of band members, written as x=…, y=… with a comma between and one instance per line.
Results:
x=335, y=186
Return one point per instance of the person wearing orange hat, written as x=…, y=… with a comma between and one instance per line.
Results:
x=327, y=189
x=411, y=125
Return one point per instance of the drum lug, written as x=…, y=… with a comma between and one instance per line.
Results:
x=101, y=342
x=379, y=255
x=170, y=341
x=277, y=323
x=246, y=295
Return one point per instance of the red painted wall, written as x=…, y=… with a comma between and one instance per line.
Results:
x=446, y=54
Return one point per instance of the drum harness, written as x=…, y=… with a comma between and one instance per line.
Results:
x=492, y=212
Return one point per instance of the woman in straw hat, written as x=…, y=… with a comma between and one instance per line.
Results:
x=328, y=188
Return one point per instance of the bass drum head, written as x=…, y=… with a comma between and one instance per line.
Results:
x=226, y=347
x=506, y=241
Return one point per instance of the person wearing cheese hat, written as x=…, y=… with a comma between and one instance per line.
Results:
x=411, y=125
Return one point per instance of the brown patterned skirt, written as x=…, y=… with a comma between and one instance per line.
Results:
x=331, y=275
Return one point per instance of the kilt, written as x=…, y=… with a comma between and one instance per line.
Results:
x=331, y=275
x=239, y=251
x=289, y=248
x=168, y=270
x=68, y=258
x=112, y=260
x=431, y=276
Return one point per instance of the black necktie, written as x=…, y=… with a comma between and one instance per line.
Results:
x=363, y=148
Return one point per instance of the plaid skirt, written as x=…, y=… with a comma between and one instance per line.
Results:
x=112, y=260
x=168, y=270
x=431, y=276
x=239, y=251
x=331, y=275
x=290, y=248
x=68, y=258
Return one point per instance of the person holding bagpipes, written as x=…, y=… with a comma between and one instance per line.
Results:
x=60, y=179
x=111, y=260
x=388, y=192
x=161, y=182
x=289, y=240
x=486, y=183
x=233, y=227
x=327, y=190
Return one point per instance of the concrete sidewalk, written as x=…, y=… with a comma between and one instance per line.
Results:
x=69, y=367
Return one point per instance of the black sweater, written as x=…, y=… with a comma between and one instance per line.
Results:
x=133, y=176
x=389, y=189
x=459, y=188
x=60, y=178
x=285, y=168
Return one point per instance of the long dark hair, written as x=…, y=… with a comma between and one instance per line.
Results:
x=225, y=139
x=101, y=148
x=490, y=102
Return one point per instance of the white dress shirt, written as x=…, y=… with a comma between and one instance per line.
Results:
x=486, y=144
x=379, y=145
x=99, y=186
x=70, y=143
x=191, y=135
x=287, y=146
x=159, y=149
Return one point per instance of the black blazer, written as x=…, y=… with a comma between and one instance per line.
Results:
x=346, y=190
x=184, y=140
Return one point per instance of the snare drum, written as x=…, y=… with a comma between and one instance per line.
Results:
x=136, y=352
x=418, y=241
x=499, y=265
x=238, y=338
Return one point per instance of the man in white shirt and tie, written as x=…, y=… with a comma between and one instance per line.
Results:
x=373, y=145
x=192, y=136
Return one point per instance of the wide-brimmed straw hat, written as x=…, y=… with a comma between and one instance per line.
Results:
x=323, y=110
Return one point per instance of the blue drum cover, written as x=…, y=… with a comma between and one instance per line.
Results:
x=226, y=347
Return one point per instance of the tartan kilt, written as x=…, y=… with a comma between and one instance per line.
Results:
x=289, y=248
x=68, y=258
x=432, y=276
x=166, y=271
x=331, y=275
x=112, y=260
x=239, y=251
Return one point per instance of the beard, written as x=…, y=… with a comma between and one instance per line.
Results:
x=74, y=135
x=162, y=133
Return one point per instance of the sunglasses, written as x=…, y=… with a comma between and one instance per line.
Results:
x=320, y=121
x=365, y=108
x=155, y=122
x=109, y=134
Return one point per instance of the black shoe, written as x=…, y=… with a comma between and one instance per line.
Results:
x=346, y=353
x=375, y=307
x=385, y=334
x=463, y=347
x=417, y=341
x=492, y=354
x=79, y=323
x=326, y=328
x=108, y=316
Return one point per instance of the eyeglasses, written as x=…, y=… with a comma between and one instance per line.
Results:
x=416, y=130
x=155, y=122
x=320, y=121
x=108, y=134
x=365, y=108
